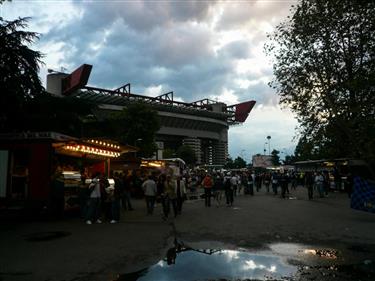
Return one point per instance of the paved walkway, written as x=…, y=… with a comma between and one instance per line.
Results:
x=101, y=251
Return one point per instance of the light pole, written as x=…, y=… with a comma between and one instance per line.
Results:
x=264, y=148
x=269, y=145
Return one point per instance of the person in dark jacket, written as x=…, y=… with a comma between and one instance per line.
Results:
x=309, y=181
x=218, y=188
x=126, y=194
x=228, y=190
x=116, y=198
x=283, y=179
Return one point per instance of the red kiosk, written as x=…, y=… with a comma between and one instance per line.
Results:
x=28, y=160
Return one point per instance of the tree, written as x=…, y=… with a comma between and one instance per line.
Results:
x=239, y=163
x=187, y=154
x=169, y=153
x=229, y=164
x=136, y=124
x=19, y=67
x=275, y=157
x=49, y=113
x=324, y=71
x=289, y=160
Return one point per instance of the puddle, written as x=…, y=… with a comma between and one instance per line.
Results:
x=46, y=236
x=282, y=261
x=210, y=264
x=346, y=272
x=323, y=253
x=303, y=251
x=214, y=261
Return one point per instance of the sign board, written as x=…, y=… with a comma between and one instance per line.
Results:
x=160, y=145
x=262, y=161
x=363, y=196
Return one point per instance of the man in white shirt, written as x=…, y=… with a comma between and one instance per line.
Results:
x=93, y=204
x=319, y=179
x=234, y=183
x=149, y=189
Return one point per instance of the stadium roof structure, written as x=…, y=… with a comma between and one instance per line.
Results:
x=74, y=85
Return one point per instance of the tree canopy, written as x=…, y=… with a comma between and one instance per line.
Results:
x=237, y=163
x=19, y=66
x=324, y=71
x=187, y=154
x=136, y=125
x=275, y=157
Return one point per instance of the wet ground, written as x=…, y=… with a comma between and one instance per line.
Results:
x=280, y=261
x=262, y=237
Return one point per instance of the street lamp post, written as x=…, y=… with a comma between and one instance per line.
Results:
x=264, y=148
x=269, y=145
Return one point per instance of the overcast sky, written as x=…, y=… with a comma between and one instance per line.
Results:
x=197, y=49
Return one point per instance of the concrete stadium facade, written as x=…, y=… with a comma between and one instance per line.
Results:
x=202, y=125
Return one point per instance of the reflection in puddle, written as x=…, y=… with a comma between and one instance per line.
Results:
x=323, y=253
x=291, y=249
x=191, y=264
x=283, y=261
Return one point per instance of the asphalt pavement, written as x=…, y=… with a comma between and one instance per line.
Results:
x=71, y=250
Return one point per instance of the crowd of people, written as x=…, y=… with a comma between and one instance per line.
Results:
x=100, y=199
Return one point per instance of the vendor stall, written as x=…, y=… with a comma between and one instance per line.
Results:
x=31, y=161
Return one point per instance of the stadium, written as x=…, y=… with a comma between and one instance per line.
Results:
x=203, y=125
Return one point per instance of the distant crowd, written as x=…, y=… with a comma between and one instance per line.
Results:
x=100, y=199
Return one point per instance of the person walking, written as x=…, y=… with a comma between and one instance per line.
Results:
x=309, y=182
x=250, y=184
x=116, y=198
x=283, y=183
x=207, y=184
x=234, y=183
x=93, y=203
x=326, y=183
x=170, y=197
x=106, y=195
x=293, y=179
x=275, y=182
x=319, y=180
x=287, y=182
x=267, y=181
x=149, y=189
x=180, y=193
x=83, y=195
x=218, y=188
x=258, y=183
x=228, y=191
x=161, y=194
x=126, y=193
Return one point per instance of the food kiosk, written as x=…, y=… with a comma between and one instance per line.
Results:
x=29, y=160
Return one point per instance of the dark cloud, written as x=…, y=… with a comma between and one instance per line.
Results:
x=167, y=44
x=144, y=16
x=192, y=48
x=236, y=50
